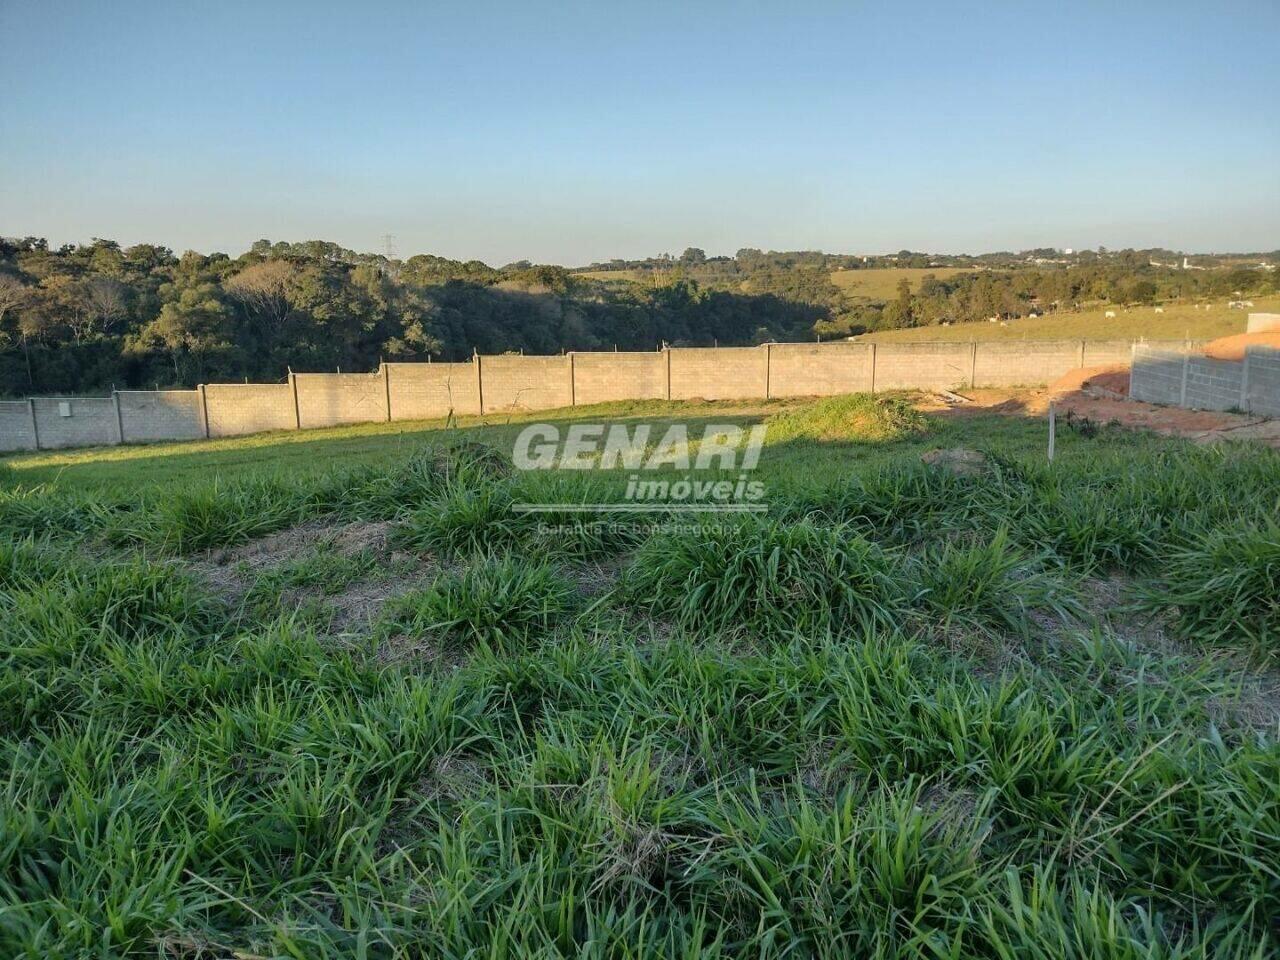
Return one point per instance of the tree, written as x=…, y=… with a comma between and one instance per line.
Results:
x=193, y=325
x=264, y=290
x=693, y=256
x=105, y=301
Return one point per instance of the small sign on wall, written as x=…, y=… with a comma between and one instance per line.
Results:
x=64, y=408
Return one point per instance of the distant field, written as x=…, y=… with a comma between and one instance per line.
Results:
x=613, y=274
x=1177, y=321
x=881, y=283
x=873, y=284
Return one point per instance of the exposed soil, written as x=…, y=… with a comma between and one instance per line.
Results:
x=232, y=573
x=1233, y=348
x=1106, y=380
x=1202, y=426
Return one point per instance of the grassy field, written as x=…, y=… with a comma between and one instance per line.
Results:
x=328, y=695
x=873, y=284
x=881, y=283
x=1175, y=322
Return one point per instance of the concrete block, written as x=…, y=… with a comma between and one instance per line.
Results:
x=602, y=377
x=76, y=422
x=330, y=399
x=525, y=383
x=428, y=391
x=819, y=369
x=724, y=373
x=151, y=415
x=16, y=429
x=240, y=408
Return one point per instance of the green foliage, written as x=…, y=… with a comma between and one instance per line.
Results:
x=989, y=582
x=854, y=418
x=213, y=515
x=755, y=746
x=494, y=600
x=463, y=519
x=758, y=575
x=1224, y=587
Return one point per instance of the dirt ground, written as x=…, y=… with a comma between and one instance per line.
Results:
x=1099, y=403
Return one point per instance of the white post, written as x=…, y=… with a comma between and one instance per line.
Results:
x=35, y=426
x=115, y=402
x=1244, y=382
x=1053, y=428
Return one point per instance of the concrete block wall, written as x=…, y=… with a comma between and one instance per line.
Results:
x=1163, y=373
x=328, y=399
x=923, y=366
x=819, y=370
x=239, y=408
x=1262, y=390
x=149, y=415
x=601, y=377
x=1214, y=384
x=1105, y=353
x=92, y=422
x=725, y=373
x=1156, y=376
x=428, y=391
x=525, y=383
x=17, y=432
x=1006, y=363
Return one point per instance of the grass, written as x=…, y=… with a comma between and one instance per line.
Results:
x=1176, y=321
x=881, y=283
x=857, y=418
x=494, y=600
x=1027, y=713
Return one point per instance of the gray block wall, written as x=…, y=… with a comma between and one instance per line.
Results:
x=727, y=373
x=240, y=408
x=1262, y=393
x=511, y=383
x=819, y=369
x=602, y=377
x=428, y=391
x=1214, y=384
x=17, y=432
x=76, y=422
x=924, y=366
x=419, y=391
x=1156, y=376
x=1004, y=363
x=329, y=399
x=151, y=415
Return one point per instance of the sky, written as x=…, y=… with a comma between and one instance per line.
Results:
x=572, y=133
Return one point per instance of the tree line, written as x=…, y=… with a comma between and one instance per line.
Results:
x=82, y=318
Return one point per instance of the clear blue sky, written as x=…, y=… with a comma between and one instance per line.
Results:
x=566, y=132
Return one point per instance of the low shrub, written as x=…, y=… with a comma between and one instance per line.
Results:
x=1224, y=588
x=991, y=583
x=767, y=575
x=853, y=418
x=213, y=515
x=463, y=519
x=494, y=600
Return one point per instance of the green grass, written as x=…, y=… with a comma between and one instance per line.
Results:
x=857, y=418
x=881, y=283
x=1176, y=321
x=1029, y=713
